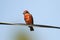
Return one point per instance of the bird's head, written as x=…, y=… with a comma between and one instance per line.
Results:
x=25, y=11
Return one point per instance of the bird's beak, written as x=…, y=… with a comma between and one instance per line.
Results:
x=23, y=13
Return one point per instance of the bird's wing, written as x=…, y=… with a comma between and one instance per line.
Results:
x=32, y=19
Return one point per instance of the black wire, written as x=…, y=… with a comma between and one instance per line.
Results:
x=6, y=24
x=46, y=26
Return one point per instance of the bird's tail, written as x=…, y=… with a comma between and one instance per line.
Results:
x=31, y=28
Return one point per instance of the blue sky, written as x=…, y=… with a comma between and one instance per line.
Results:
x=45, y=12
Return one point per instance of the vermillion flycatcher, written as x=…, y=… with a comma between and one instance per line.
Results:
x=28, y=19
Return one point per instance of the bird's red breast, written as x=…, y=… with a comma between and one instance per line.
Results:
x=28, y=18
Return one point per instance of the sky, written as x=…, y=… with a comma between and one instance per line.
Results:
x=46, y=12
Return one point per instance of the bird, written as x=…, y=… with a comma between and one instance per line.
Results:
x=28, y=19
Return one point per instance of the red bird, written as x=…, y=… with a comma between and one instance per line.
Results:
x=28, y=19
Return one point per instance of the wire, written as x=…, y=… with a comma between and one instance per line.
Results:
x=46, y=26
